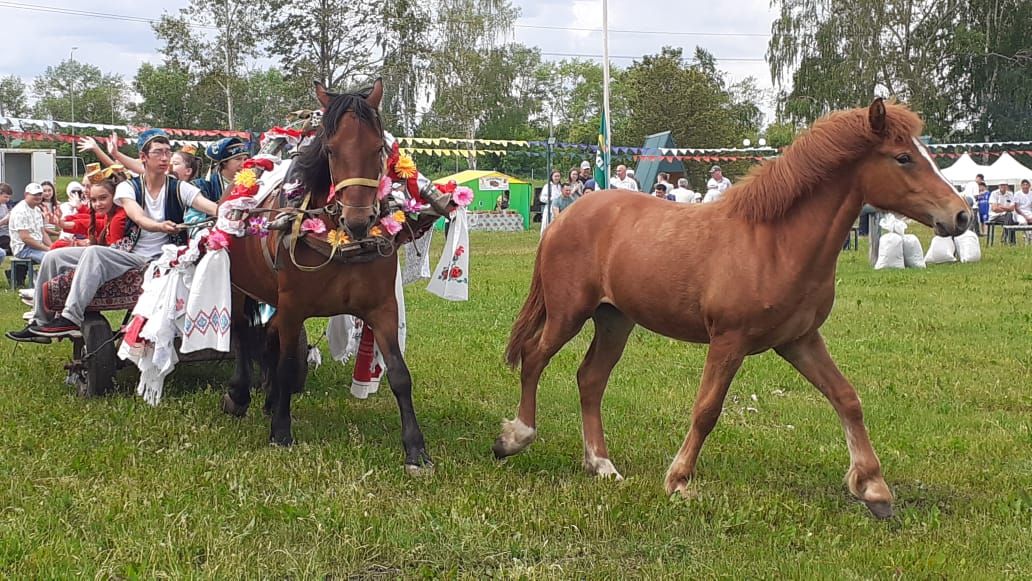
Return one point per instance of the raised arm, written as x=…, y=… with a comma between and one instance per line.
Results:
x=132, y=164
x=89, y=145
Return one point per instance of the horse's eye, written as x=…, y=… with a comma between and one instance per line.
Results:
x=903, y=159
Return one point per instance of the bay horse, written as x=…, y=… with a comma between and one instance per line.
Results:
x=345, y=159
x=752, y=272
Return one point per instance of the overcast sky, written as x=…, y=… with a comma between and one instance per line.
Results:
x=34, y=39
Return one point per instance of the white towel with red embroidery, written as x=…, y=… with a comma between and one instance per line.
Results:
x=206, y=322
x=150, y=342
x=450, y=280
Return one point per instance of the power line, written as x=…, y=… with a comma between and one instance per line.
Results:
x=621, y=57
x=656, y=32
x=87, y=13
x=145, y=20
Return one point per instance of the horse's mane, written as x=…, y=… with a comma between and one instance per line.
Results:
x=312, y=162
x=771, y=189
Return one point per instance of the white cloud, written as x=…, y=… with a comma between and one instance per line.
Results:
x=686, y=16
x=34, y=40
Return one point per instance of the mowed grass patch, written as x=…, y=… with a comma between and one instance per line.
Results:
x=940, y=357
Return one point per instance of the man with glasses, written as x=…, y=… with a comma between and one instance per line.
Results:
x=154, y=204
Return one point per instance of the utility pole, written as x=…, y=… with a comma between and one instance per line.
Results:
x=71, y=93
x=548, y=162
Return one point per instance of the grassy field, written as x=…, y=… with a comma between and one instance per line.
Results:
x=114, y=488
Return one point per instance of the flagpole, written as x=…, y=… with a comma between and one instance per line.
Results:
x=606, y=153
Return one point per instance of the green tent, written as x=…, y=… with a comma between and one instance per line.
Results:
x=488, y=185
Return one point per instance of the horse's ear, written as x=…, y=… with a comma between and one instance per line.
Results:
x=876, y=115
x=322, y=95
x=376, y=94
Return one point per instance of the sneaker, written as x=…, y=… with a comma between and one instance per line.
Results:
x=27, y=293
x=26, y=336
x=28, y=302
x=59, y=327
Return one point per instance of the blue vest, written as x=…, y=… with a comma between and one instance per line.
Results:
x=173, y=210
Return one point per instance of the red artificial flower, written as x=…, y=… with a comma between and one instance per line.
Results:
x=264, y=163
x=456, y=272
x=392, y=159
x=447, y=188
x=460, y=251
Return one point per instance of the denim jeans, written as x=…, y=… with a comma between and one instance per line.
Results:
x=33, y=254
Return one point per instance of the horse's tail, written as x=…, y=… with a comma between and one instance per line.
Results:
x=530, y=321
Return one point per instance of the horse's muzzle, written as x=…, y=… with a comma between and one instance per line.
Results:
x=359, y=228
x=955, y=227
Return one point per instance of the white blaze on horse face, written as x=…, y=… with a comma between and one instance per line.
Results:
x=924, y=153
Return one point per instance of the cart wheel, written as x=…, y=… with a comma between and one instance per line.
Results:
x=302, y=357
x=100, y=350
x=76, y=377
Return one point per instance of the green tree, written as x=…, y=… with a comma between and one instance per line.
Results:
x=268, y=96
x=13, y=102
x=992, y=72
x=166, y=96
x=469, y=70
x=690, y=100
x=573, y=96
x=780, y=134
x=218, y=59
x=963, y=64
x=404, y=45
x=94, y=96
x=328, y=41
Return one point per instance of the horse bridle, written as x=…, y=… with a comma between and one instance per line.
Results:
x=338, y=204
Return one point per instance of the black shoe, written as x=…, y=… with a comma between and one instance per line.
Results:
x=59, y=327
x=26, y=336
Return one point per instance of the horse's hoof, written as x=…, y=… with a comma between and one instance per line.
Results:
x=515, y=437
x=501, y=449
x=284, y=441
x=682, y=486
x=421, y=466
x=602, y=468
x=233, y=408
x=880, y=509
x=417, y=471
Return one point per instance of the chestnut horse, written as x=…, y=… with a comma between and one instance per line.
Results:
x=349, y=145
x=784, y=226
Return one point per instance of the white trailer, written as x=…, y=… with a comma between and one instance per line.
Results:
x=18, y=167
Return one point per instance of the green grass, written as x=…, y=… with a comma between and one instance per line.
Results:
x=114, y=488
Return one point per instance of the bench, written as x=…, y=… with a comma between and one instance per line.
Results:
x=24, y=265
x=117, y=294
x=1011, y=232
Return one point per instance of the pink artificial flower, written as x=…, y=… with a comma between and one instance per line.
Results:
x=313, y=225
x=217, y=240
x=293, y=190
x=258, y=226
x=390, y=225
x=411, y=206
x=385, y=188
x=463, y=196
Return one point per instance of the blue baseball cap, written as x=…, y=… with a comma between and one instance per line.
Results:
x=226, y=148
x=148, y=136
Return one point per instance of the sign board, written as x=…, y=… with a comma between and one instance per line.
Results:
x=494, y=184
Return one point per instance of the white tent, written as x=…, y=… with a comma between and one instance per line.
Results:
x=1007, y=170
x=964, y=170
